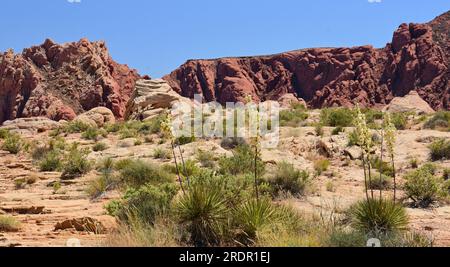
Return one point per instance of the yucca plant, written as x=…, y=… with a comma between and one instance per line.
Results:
x=379, y=216
x=203, y=210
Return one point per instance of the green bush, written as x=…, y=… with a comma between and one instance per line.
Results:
x=204, y=212
x=51, y=161
x=293, y=117
x=242, y=161
x=335, y=117
x=441, y=120
x=9, y=224
x=378, y=216
x=145, y=203
x=75, y=127
x=440, y=150
x=90, y=133
x=75, y=163
x=160, y=153
x=104, y=182
x=4, y=133
x=400, y=120
x=352, y=139
x=184, y=140
x=382, y=166
x=13, y=143
x=99, y=147
x=138, y=173
x=232, y=142
x=446, y=174
x=321, y=166
x=125, y=133
x=206, y=158
x=380, y=184
x=288, y=179
x=423, y=186
x=338, y=130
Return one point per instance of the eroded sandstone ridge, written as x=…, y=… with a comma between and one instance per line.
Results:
x=60, y=81
x=416, y=59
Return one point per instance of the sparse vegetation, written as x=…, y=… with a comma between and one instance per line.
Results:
x=321, y=165
x=293, y=117
x=206, y=158
x=440, y=150
x=338, y=130
x=241, y=162
x=137, y=173
x=9, y=224
x=99, y=146
x=337, y=117
x=440, y=121
x=51, y=161
x=75, y=163
x=288, y=179
x=160, y=153
x=12, y=143
x=423, y=187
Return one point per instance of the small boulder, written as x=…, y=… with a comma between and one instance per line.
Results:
x=287, y=100
x=97, y=117
x=85, y=224
x=30, y=126
x=412, y=102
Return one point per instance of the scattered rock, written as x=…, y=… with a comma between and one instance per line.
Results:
x=85, y=224
x=129, y=142
x=354, y=152
x=24, y=210
x=30, y=126
x=97, y=117
x=287, y=100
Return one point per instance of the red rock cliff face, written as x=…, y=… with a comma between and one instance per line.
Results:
x=60, y=81
x=417, y=59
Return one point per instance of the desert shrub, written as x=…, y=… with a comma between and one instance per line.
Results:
x=441, y=120
x=137, y=173
x=318, y=129
x=123, y=163
x=189, y=168
x=90, y=133
x=423, y=186
x=372, y=115
x=321, y=165
x=144, y=203
x=13, y=143
x=382, y=166
x=330, y=186
x=75, y=127
x=341, y=238
x=105, y=181
x=338, y=130
x=20, y=183
x=414, y=163
x=160, y=153
x=232, y=142
x=206, y=158
x=51, y=161
x=113, y=127
x=378, y=216
x=288, y=179
x=440, y=150
x=400, y=120
x=9, y=224
x=293, y=117
x=446, y=174
x=184, y=140
x=4, y=133
x=125, y=133
x=204, y=212
x=353, y=139
x=242, y=161
x=380, y=184
x=75, y=163
x=100, y=146
x=335, y=117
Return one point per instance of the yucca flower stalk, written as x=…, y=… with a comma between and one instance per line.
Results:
x=256, y=144
x=364, y=140
x=389, y=137
x=166, y=127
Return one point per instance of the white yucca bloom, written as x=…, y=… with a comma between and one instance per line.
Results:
x=389, y=133
x=364, y=137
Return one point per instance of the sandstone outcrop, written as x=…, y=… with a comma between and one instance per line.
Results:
x=412, y=102
x=30, y=126
x=97, y=117
x=150, y=98
x=60, y=81
x=416, y=59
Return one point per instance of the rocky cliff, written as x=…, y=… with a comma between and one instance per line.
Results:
x=60, y=81
x=416, y=59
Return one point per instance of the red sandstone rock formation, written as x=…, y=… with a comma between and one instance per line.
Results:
x=417, y=59
x=60, y=81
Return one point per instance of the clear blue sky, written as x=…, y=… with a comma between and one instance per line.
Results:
x=156, y=36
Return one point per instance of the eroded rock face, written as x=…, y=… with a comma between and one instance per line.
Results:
x=60, y=81
x=417, y=59
x=30, y=126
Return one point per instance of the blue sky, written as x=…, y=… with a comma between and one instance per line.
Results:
x=156, y=36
